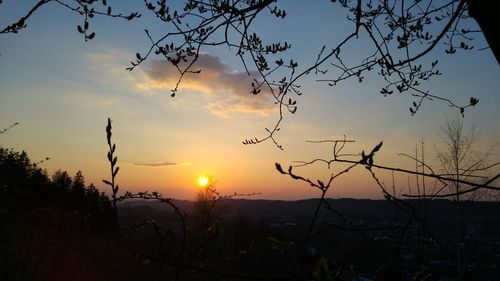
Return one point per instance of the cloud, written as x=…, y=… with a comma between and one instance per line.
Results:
x=225, y=91
x=162, y=164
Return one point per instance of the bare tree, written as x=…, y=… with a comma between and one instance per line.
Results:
x=457, y=153
x=460, y=161
x=460, y=158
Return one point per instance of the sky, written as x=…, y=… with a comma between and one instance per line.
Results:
x=61, y=90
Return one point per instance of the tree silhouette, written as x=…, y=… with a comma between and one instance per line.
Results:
x=463, y=174
x=62, y=180
x=30, y=200
x=461, y=161
x=25, y=185
x=460, y=158
x=400, y=36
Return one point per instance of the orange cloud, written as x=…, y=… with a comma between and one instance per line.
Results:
x=226, y=91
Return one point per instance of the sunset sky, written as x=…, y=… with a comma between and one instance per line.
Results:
x=61, y=90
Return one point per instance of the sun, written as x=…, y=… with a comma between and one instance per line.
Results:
x=203, y=181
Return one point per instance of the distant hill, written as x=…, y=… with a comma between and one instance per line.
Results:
x=302, y=210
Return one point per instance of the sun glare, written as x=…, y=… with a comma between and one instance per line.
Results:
x=203, y=181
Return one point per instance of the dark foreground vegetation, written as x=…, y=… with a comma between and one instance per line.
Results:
x=57, y=228
x=52, y=228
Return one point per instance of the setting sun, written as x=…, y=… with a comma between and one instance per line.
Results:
x=203, y=181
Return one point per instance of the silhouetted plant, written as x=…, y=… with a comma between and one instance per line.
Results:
x=8, y=128
x=206, y=216
x=366, y=161
x=114, y=169
x=392, y=270
x=190, y=253
x=402, y=35
x=87, y=9
x=198, y=260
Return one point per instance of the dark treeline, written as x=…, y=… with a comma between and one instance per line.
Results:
x=26, y=186
x=48, y=221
